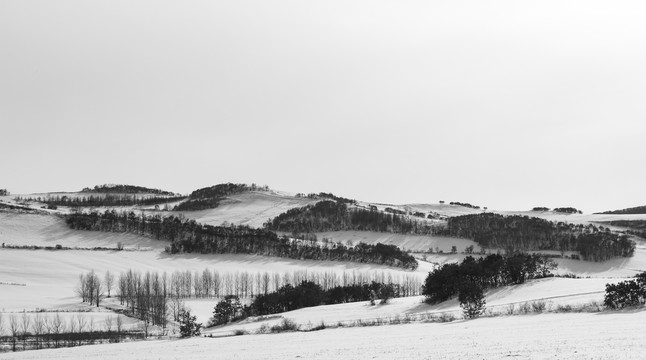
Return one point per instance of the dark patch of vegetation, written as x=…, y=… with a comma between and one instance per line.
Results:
x=524, y=233
x=125, y=189
x=635, y=227
x=464, y=205
x=4, y=192
x=568, y=210
x=305, y=294
x=188, y=236
x=329, y=196
x=626, y=293
x=632, y=210
x=541, y=208
x=188, y=325
x=335, y=216
x=475, y=275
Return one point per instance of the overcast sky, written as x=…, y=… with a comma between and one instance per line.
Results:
x=506, y=104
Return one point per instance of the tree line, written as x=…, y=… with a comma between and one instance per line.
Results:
x=39, y=331
x=210, y=197
x=155, y=298
x=335, y=216
x=125, y=189
x=632, y=210
x=188, y=236
x=525, y=233
x=108, y=200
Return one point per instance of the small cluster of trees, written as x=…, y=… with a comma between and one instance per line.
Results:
x=330, y=196
x=626, y=293
x=524, y=233
x=472, y=276
x=4, y=192
x=568, y=210
x=541, y=208
x=39, y=330
x=305, y=294
x=108, y=200
x=464, y=205
x=210, y=197
x=189, y=236
x=125, y=189
x=90, y=287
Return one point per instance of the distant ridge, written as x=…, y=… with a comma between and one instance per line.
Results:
x=125, y=189
x=628, y=211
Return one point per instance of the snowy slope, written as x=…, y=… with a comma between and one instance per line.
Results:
x=549, y=336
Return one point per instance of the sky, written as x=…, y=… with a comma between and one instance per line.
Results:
x=506, y=104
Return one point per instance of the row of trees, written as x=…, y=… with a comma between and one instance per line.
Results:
x=329, y=196
x=108, y=200
x=189, y=236
x=525, y=233
x=29, y=331
x=335, y=215
x=488, y=272
x=125, y=189
x=213, y=284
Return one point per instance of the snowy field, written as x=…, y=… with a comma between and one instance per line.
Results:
x=32, y=280
x=615, y=335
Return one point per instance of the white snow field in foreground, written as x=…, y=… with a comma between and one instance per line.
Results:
x=616, y=335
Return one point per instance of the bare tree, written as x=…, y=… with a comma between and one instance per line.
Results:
x=38, y=329
x=119, y=327
x=56, y=328
x=14, y=331
x=25, y=324
x=98, y=290
x=109, y=281
x=108, y=324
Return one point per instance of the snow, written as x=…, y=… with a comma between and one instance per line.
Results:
x=614, y=335
x=251, y=208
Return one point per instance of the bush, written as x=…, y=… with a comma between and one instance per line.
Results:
x=188, y=325
x=472, y=300
x=285, y=326
x=626, y=293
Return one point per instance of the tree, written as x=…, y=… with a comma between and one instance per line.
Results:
x=226, y=310
x=14, y=331
x=109, y=281
x=188, y=325
x=472, y=300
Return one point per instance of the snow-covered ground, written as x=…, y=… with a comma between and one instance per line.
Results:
x=251, y=208
x=616, y=335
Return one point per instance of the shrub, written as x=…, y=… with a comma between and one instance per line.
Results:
x=626, y=293
x=188, y=325
x=472, y=300
x=285, y=326
x=538, y=306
